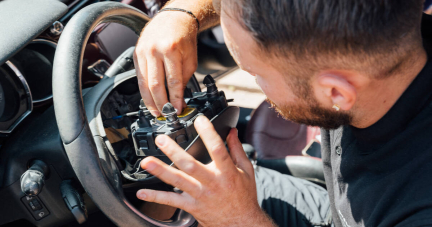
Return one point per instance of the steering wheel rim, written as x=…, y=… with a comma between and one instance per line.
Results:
x=86, y=150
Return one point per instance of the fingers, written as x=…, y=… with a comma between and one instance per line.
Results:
x=156, y=81
x=214, y=144
x=237, y=153
x=165, y=52
x=183, y=160
x=176, y=85
x=141, y=71
x=170, y=175
x=167, y=198
x=190, y=64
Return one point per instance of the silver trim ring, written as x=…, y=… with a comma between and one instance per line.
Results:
x=29, y=97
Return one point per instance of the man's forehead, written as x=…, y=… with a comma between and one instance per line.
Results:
x=239, y=41
x=233, y=36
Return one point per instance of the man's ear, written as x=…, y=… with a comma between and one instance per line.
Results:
x=335, y=89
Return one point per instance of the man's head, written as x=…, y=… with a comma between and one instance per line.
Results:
x=309, y=55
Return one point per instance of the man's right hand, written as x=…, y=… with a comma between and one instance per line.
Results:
x=167, y=48
x=221, y=193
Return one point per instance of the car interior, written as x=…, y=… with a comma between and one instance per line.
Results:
x=73, y=127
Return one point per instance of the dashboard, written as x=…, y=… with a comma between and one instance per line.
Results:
x=15, y=97
x=26, y=77
x=25, y=81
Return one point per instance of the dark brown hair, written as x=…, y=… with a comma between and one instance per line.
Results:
x=304, y=28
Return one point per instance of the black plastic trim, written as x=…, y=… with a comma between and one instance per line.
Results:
x=22, y=21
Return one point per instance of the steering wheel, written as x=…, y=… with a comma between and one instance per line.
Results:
x=80, y=124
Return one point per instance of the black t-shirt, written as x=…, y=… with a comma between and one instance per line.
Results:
x=382, y=175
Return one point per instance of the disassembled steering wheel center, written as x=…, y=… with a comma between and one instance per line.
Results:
x=179, y=127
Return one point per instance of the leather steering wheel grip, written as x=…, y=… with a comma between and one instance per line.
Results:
x=78, y=140
x=68, y=59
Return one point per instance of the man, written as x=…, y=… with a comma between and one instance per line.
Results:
x=359, y=69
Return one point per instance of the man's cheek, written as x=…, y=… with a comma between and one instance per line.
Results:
x=260, y=83
x=267, y=89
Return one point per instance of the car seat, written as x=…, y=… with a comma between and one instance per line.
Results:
x=283, y=145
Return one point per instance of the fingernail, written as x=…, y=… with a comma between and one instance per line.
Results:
x=160, y=140
x=233, y=132
x=200, y=120
x=149, y=166
x=155, y=113
x=141, y=195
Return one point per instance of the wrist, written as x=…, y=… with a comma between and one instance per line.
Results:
x=202, y=9
x=255, y=217
x=179, y=18
x=260, y=218
x=169, y=9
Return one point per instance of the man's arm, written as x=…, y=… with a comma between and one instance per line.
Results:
x=167, y=50
x=204, y=10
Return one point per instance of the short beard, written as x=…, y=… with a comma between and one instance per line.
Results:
x=312, y=114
